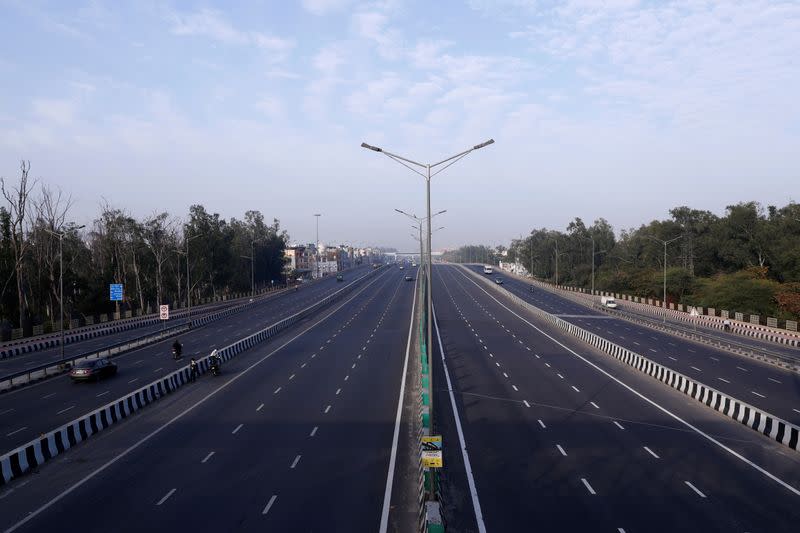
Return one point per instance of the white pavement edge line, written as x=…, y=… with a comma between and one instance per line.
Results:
x=4, y=459
x=387, y=493
x=476, y=504
x=648, y=400
x=65, y=493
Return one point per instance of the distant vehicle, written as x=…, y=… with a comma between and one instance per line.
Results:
x=487, y=269
x=499, y=281
x=413, y=264
x=339, y=277
x=608, y=301
x=402, y=267
x=409, y=278
x=93, y=369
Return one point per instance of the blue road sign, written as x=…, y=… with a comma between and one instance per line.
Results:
x=116, y=292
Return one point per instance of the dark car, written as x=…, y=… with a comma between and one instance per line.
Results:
x=339, y=278
x=499, y=281
x=93, y=369
x=409, y=278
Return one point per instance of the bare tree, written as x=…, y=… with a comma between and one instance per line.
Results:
x=51, y=214
x=17, y=198
x=160, y=236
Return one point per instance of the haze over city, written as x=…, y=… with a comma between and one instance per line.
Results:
x=619, y=109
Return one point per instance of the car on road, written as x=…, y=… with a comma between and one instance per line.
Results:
x=499, y=281
x=409, y=278
x=402, y=267
x=93, y=369
x=339, y=277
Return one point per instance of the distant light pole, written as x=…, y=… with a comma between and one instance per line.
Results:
x=60, y=235
x=317, y=248
x=665, y=243
x=531, y=255
x=427, y=175
x=594, y=254
x=419, y=224
x=188, y=285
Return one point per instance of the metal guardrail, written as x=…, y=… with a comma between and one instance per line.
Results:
x=62, y=365
x=762, y=354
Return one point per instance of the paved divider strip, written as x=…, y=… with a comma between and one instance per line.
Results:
x=765, y=423
x=28, y=456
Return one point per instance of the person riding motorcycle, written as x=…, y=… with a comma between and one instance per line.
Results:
x=214, y=363
x=177, y=349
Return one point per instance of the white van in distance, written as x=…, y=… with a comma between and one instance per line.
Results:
x=487, y=269
x=608, y=301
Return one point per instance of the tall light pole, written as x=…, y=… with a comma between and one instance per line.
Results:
x=427, y=175
x=531, y=255
x=60, y=235
x=188, y=284
x=317, y=247
x=665, y=243
x=419, y=224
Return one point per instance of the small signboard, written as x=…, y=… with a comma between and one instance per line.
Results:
x=432, y=452
x=115, y=291
x=163, y=312
x=694, y=312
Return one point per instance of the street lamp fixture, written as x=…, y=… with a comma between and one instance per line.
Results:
x=444, y=164
x=665, y=243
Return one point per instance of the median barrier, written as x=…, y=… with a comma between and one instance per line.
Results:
x=757, y=419
x=35, y=453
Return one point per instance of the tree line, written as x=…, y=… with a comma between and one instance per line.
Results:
x=746, y=260
x=147, y=255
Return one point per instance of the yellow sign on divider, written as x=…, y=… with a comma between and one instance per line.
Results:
x=432, y=452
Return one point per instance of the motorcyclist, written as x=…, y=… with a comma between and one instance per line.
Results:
x=177, y=348
x=214, y=362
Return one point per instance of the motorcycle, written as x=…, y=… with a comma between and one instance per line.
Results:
x=215, y=368
x=176, y=354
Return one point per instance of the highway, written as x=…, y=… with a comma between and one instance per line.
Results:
x=561, y=437
x=31, y=410
x=295, y=435
x=760, y=384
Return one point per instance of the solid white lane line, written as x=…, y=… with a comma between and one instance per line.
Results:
x=166, y=496
x=277, y=390
x=561, y=450
x=313, y=431
x=48, y=395
x=207, y=457
x=644, y=398
x=269, y=504
x=651, y=452
x=327, y=409
x=65, y=410
x=16, y=431
x=476, y=504
x=724, y=380
x=526, y=403
x=594, y=405
x=775, y=380
x=294, y=463
x=102, y=394
x=757, y=394
x=542, y=424
x=387, y=492
x=695, y=489
x=588, y=487
x=618, y=425
x=237, y=429
x=575, y=388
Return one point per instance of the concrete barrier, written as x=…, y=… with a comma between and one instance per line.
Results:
x=29, y=456
x=765, y=423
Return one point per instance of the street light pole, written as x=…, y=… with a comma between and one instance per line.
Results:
x=427, y=175
x=317, y=248
x=60, y=235
x=665, y=243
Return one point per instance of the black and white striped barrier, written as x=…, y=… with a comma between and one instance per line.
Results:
x=29, y=456
x=773, y=427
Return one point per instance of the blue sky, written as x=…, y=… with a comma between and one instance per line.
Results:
x=619, y=109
